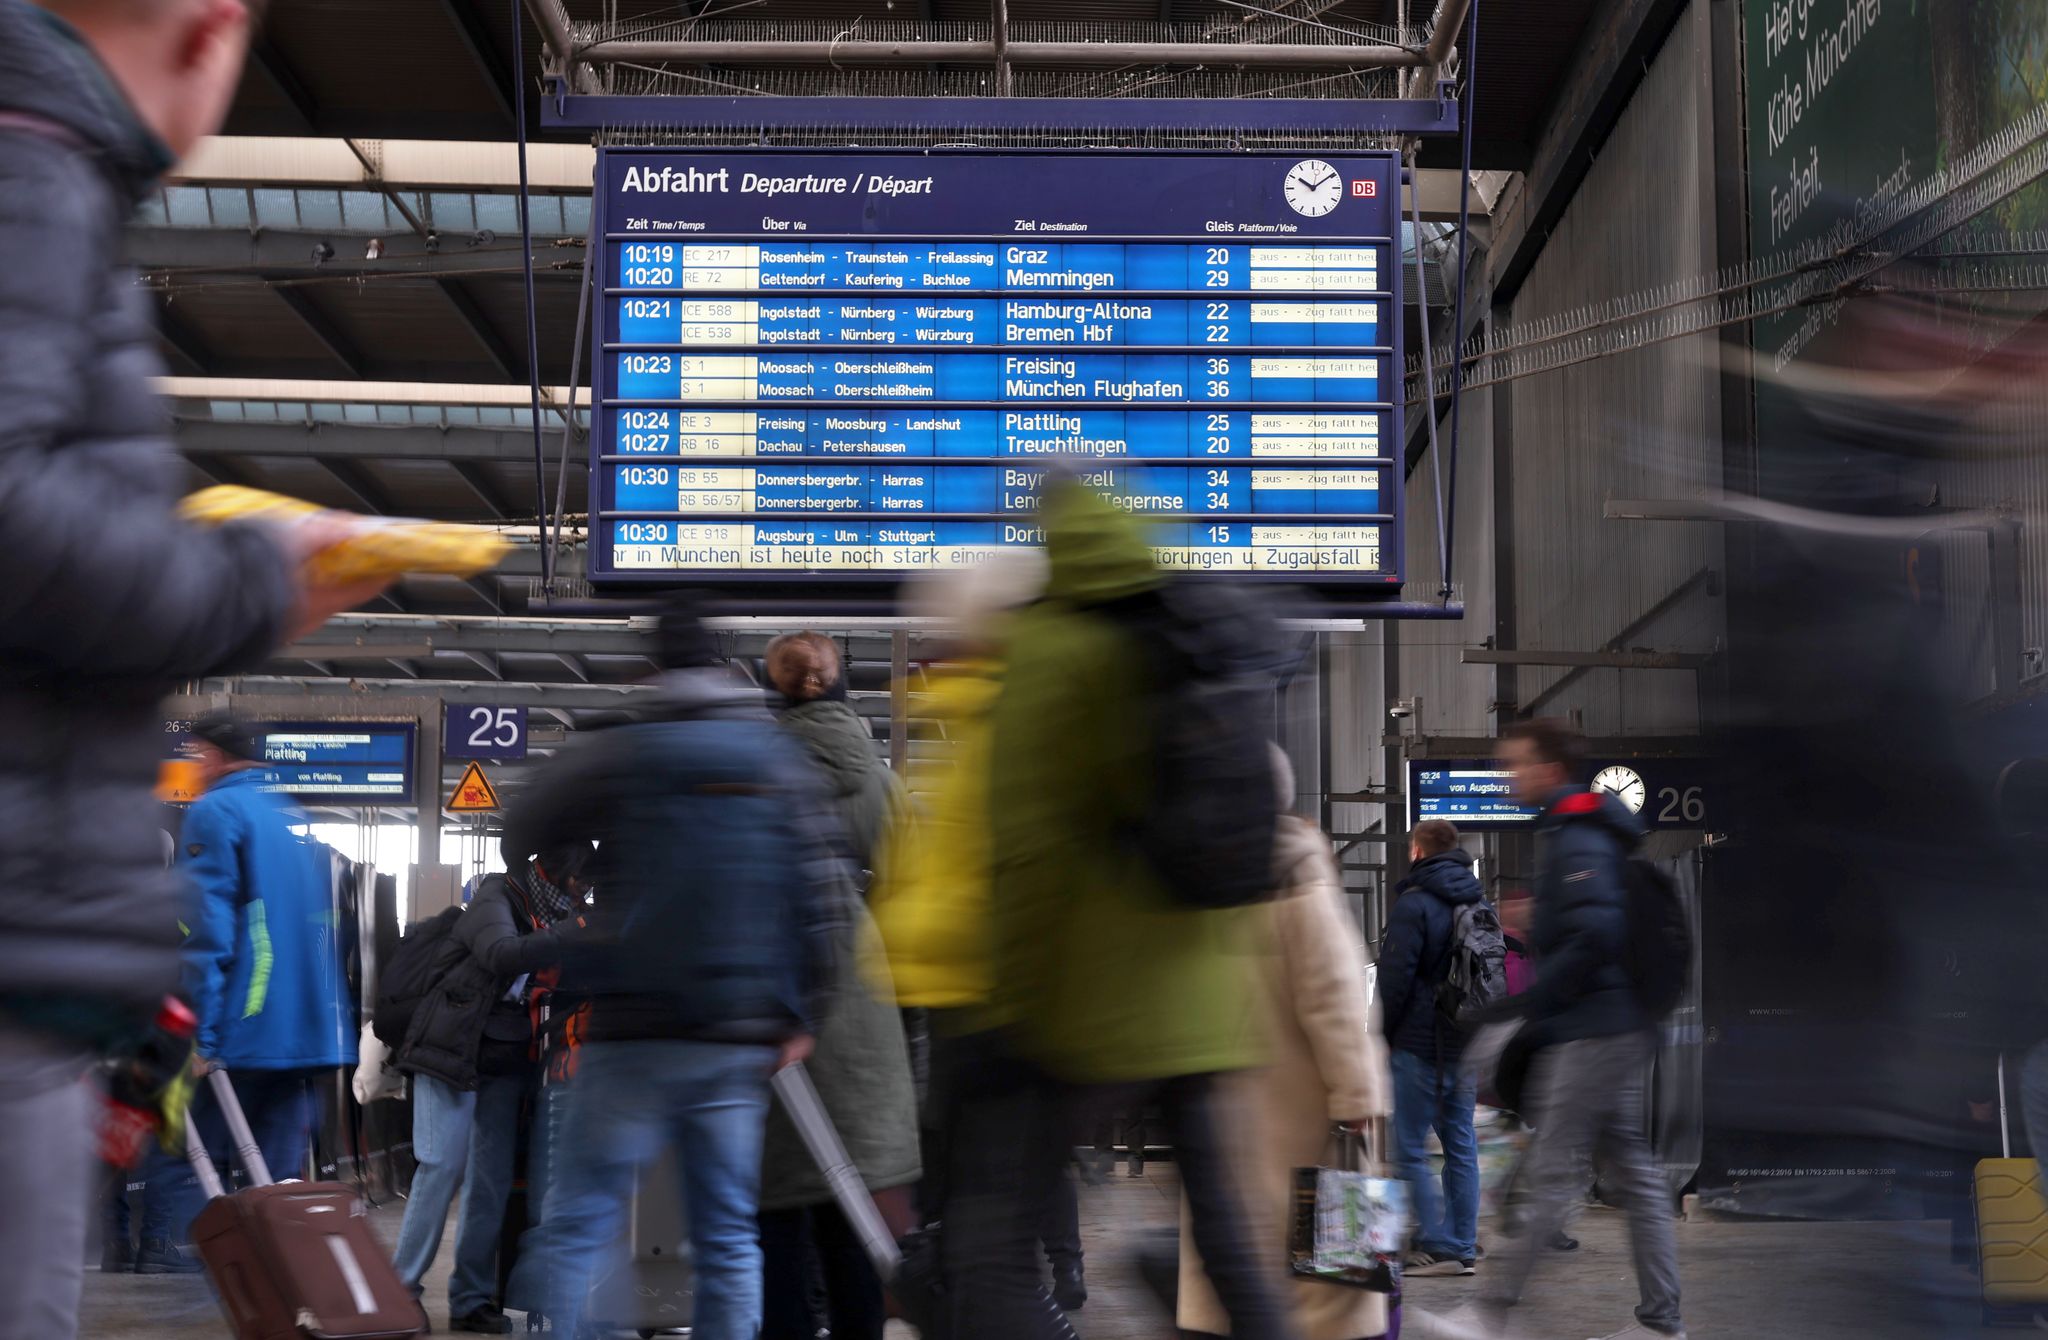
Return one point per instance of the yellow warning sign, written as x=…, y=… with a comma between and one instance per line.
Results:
x=473, y=793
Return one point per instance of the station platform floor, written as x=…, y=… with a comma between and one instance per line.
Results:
x=1742, y=1280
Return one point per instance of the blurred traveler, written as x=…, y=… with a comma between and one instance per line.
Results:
x=807, y=670
x=861, y=1065
x=262, y=966
x=1327, y=1064
x=931, y=906
x=1115, y=989
x=699, y=988
x=1431, y=1089
x=109, y=600
x=1587, y=1084
x=469, y=1051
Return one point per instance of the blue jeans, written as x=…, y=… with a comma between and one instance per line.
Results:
x=279, y=1108
x=1429, y=1097
x=628, y=1100
x=466, y=1142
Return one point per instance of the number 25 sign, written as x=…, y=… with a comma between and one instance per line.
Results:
x=484, y=732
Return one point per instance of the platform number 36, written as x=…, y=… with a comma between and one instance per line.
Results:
x=485, y=732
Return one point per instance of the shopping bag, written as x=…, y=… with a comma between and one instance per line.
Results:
x=1349, y=1226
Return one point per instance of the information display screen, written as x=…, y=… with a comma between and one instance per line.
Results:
x=1478, y=794
x=849, y=367
x=336, y=762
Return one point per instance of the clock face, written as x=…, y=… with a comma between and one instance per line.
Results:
x=1312, y=187
x=1625, y=783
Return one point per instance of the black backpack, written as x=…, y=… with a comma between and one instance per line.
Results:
x=422, y=958
x=1658, y=953
x=1476, y=965
x=1209, y=653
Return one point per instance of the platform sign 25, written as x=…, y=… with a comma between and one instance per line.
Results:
x=484, y=732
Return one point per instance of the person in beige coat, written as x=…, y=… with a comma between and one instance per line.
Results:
x=1328, y=1065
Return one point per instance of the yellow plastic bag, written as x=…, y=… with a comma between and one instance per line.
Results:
x=381, y=546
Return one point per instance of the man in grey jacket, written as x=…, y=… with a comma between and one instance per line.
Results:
x=107, y=599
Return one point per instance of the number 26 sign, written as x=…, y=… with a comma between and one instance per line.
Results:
x=484, y=732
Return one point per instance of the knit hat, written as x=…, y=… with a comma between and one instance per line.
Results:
x=231, y=735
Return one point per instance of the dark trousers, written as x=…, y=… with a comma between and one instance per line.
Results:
x=792, y=1241
x=988, y=1187
x=1059, y=1223
x=1190, y=1108
x=280, y=1110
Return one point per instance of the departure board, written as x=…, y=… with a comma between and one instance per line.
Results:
x=849, y=367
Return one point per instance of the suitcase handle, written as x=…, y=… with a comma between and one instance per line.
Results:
x=244, y=1140
x=2004, y=1128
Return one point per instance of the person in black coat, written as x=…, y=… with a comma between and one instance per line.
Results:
x=109, y=598
x=469, y=1051
x=1431, y=1090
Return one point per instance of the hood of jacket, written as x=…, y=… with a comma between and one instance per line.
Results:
x=1096, y=551
x=47, y=70
x=1297, y=843
x=1447, y=876
x=839, y=741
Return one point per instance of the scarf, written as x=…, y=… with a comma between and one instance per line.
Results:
x=550, y=902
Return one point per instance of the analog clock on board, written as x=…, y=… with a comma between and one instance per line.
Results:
x=1625, y=783
x=1313, y=187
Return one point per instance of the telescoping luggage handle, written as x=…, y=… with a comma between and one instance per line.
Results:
x=2004, y=1128
x=799, y=1097
x=238, y=1131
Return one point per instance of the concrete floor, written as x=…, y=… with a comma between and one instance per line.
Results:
x=1798, y=1281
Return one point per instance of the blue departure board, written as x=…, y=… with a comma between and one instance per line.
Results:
x=335, y=762
x=848, y=367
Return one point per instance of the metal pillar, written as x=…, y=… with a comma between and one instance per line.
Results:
x=899, y=701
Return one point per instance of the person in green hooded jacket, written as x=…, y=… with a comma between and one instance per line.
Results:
x=1113, y=991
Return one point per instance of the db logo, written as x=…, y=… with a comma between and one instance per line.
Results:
x=1367, y=188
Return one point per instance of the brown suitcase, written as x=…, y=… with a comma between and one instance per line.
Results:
x=294, y=1260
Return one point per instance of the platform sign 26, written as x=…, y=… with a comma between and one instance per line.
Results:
x=484, y=732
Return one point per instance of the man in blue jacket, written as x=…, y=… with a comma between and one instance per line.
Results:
x=262, y=966
x=1430, y=1088
x=1587, y=1082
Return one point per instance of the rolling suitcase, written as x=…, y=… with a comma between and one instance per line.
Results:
x=2012, y=1229
x=293, y=1260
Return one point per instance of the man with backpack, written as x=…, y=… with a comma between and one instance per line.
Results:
x=1121, y=853
x=1608, y=964
x=1442, y=955
x=454, y=1007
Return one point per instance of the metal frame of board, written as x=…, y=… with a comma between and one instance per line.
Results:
x=835, y=589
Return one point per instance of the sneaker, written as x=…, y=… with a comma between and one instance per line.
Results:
x=1562, y=1241
x=159, y=1257
x=1635, y=1330
x=1069, y=1289
x=485, y=1320
x=1478, y=1252
x=1424, y=1265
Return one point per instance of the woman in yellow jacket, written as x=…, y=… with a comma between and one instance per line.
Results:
x=932, y=911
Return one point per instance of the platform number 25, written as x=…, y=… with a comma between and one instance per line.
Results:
x=493, y=727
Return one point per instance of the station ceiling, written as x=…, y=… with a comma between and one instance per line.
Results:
x=443, y=69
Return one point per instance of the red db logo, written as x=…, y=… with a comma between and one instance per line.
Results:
x=1367, y=188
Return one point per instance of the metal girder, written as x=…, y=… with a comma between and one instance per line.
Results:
x=1614, y=55
x=214, y=468
x=367, y=492
x=482, y=485
x=357, y=441
x=1363, y=116
x=490, y=693
x=483, y=50
x=277, y=71
x=485, y=588
x=274, y=254
x=1591, y=660
x=324, y=330
x=1704, y=578
x=549, y=637
x=182, y=342
x=1093, y=55
x=486, y=334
